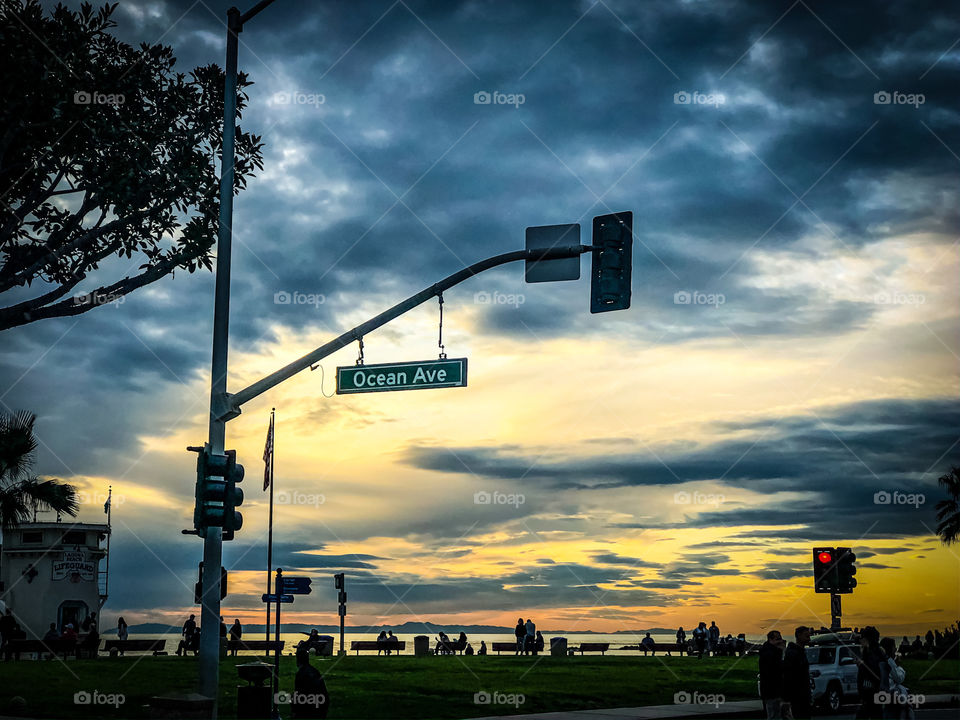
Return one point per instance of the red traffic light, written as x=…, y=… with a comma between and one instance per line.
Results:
x=825, y=558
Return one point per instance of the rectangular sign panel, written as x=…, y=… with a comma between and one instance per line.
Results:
x=449, y=372
x=272, y=598
x=296, y=585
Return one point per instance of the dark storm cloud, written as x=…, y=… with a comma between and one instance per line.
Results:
x=876, y=447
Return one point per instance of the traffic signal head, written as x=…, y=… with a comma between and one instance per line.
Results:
x=610, y=275
x=216, y=492
x=824, y=570
x=846, y=570
x=338, y=581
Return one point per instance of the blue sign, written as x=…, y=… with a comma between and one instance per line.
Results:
x=296, y=585
x=272, y=598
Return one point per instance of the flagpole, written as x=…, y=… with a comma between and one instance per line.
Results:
x=270, y=527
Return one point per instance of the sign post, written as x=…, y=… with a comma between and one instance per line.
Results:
x=278, y=592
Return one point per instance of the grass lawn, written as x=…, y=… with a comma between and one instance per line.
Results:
x=411, y=687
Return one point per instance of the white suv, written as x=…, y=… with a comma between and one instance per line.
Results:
x=833, y=670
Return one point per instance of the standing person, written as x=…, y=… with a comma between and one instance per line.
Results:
x=520, y=631
x=312, y=699
x=796, y=677
x=700, y=638
x=236, y=634
x=189, y=629
x=122, y=631
x=892, y=677
x=681, y=638
x=869, y=673
x=223, y=629
x=771, y=674
x=714, y=635
x=530, y=641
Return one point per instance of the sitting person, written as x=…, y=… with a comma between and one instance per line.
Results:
x=310, y=691
x=483, y=648
x=51, y=635
x=648, y=644
x=468, y=650
x=69, y=634
x=443, y=646
x=90, y=644
x=462, y=641
x=538, y=642
x=381, y=639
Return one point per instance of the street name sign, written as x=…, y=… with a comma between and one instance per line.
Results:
x=272, y=598
x=422, y=375
x=296, y=585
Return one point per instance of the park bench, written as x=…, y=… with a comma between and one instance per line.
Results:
x=499, y=647
x=666, y=648
x=115, y=647
x=450, y=647
x=261, y=646
x=396, y=645
x=593, y=647
x=40, y=648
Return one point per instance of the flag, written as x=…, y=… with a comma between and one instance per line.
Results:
x=268, y=456
x=106, y=507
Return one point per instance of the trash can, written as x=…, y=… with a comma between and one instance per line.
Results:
x=421, y=645
x=558, y=646
x=326, y=649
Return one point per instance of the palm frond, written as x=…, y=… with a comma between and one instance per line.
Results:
x=17, y=444
x=14, y=508
x=51, y=494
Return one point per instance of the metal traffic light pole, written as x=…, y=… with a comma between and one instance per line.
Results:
x=213, y=541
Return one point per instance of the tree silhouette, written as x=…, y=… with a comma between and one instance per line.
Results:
x=21, y=493
x=948, y=511
x=105, y=153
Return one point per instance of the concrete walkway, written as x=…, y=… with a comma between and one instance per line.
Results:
x=733, y=709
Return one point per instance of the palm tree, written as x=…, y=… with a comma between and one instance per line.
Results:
x=22, y=494
x=948, y=511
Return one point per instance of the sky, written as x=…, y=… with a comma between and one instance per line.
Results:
x=785, y=378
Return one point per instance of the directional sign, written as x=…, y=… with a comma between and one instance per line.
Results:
x=272, y=598
x=402, y=376
x=296, y=585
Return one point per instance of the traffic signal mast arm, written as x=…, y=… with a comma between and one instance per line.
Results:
x=229, y=405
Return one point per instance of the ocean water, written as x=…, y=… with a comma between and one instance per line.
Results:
x=616, y=641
